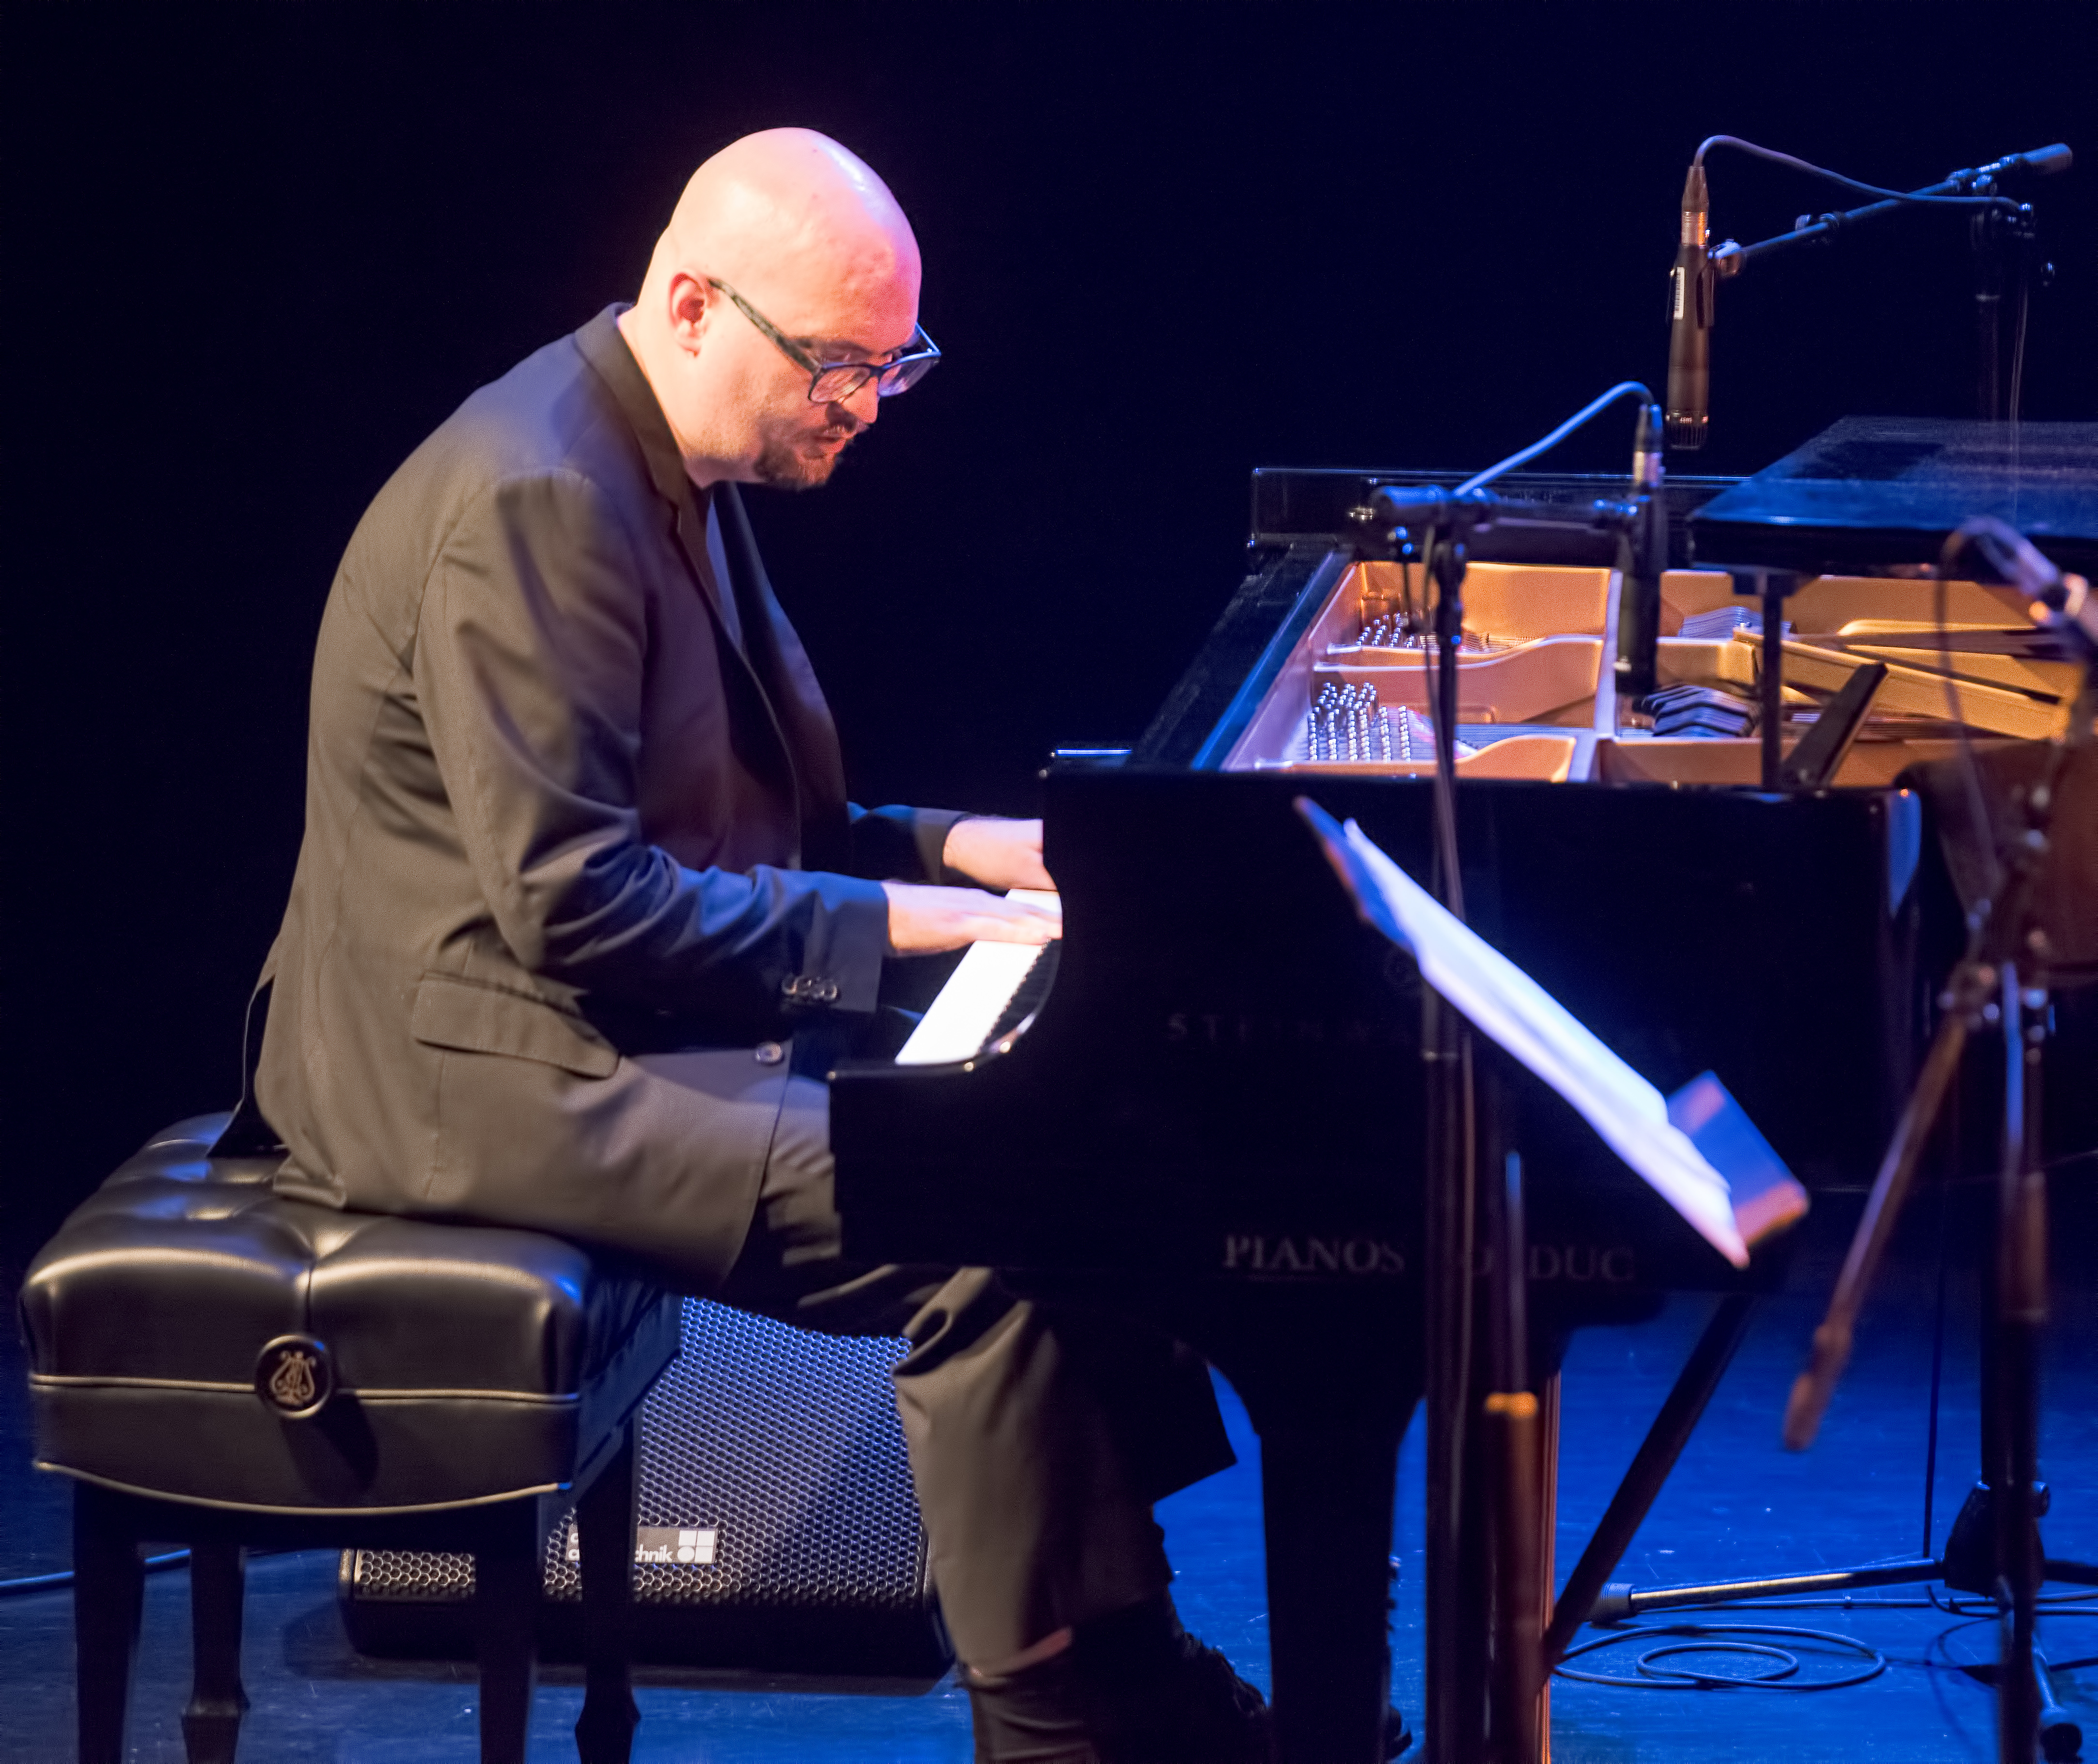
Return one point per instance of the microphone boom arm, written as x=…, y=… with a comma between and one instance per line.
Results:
x=1730, y=259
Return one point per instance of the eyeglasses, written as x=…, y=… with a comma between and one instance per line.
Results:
x=834, y=382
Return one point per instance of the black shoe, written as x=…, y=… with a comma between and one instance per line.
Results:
x=1133, y=1688
x=1035, y=1716
x=1189, y=1708
x=1397, y=1737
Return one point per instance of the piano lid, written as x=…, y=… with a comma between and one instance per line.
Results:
x=1874, y=490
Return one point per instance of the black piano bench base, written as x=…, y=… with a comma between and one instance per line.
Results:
x=211, y=1724
x=506, y=1539
x=108, y=1596
x=604, y=1539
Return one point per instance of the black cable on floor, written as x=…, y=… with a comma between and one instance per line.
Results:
x=1697, y=1637
x=1939, y=1644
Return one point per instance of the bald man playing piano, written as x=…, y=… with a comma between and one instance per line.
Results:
x=582, y=917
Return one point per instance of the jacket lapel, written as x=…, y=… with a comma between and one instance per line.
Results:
x=606, y=351
x=769, y=658
x=797, y=703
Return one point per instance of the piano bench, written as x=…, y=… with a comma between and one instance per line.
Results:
x=218, y=1366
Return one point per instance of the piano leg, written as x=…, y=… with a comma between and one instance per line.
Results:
x=1328, y=1494
x=1329, y=1387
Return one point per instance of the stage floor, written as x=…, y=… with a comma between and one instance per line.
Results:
x=1737, y=1505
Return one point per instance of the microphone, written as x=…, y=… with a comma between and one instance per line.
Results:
x=2059, y=602
x=1690, y=286
x=2042, y=161
x=1647, y=472
x=1644, y=556
x=1427, y=505
x=2056, y=601
x=2068, y=605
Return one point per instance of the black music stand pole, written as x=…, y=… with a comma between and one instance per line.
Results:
x=1460, y=1547
x=1510, y=1428
x=1484, y=1604
x=1455, y=1682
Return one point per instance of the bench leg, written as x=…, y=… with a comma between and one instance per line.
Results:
x=211, y=1724
x=605, y=1538
x=108, y=1588
x=506, y=1575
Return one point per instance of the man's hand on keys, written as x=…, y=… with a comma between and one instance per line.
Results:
x=923, y=920
x=998, y=853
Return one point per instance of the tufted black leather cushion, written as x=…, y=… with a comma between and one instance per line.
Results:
x=469, y=1363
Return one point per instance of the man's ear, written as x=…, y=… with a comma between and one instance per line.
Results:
x=692, y=302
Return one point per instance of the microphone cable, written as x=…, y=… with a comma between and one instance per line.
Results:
x=1624, y=388
x=153, y=1565
x=1812, y=170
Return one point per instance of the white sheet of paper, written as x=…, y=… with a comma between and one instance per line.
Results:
x=1505, y=1003
x=962, y=1014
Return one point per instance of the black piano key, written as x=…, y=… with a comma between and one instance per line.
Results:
x=1027, y=998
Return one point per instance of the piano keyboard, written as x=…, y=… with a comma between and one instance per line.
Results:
x=976, y=1005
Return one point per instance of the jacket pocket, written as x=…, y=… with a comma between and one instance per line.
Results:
x=461, y=1014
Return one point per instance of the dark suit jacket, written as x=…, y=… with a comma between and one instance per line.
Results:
x=572, y=795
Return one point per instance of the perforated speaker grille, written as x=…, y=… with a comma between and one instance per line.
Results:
x=784, y=1445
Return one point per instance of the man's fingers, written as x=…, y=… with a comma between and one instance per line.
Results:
x=997, y=853
x=924, y=919
x=1023, y=924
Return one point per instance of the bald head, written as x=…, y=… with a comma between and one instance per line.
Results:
x=812, y=240
x=789, y=215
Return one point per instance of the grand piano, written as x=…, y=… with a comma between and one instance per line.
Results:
x=1206, y=1106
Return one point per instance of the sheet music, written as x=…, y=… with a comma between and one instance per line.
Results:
x=1503, y=1001
x=968, y=1006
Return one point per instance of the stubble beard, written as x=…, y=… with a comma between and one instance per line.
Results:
x=788, y=460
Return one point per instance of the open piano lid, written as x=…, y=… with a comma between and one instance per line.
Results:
x=1874, y=490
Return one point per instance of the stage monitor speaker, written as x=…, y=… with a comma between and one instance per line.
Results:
x=777, y=1529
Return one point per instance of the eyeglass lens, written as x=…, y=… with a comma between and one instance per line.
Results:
x=835, y=383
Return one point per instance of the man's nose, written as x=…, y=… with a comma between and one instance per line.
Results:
x=865, y=403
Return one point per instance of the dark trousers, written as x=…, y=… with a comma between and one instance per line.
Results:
x=1039, y=1433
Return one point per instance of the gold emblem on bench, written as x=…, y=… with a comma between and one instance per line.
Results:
x=295, y=1376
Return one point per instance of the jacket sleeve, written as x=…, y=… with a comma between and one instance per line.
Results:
x=528, y=666
x=902, y=844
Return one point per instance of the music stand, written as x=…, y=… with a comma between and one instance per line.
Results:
x=1697, y=1149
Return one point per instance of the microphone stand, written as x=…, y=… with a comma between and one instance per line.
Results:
x=1994, y=1548
x=2003, y=230
x=1464, y=1688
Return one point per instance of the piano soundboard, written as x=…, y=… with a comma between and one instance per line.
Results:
x=1537, y=699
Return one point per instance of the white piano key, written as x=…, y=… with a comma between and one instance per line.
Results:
x=968, y=1006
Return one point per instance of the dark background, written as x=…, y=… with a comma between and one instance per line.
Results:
x=255, y=253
